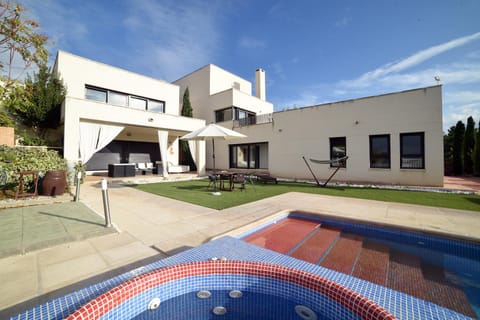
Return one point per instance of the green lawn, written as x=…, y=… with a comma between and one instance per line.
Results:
x=196, y=192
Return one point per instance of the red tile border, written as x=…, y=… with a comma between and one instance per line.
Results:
x=360, y=305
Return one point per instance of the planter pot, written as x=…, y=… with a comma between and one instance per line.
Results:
x=54, y=183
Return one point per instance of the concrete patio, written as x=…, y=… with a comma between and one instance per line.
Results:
x=151, y=227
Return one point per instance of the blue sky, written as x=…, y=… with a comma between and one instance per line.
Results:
x=312, y=51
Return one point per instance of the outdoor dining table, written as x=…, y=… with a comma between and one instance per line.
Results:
x=223, y=176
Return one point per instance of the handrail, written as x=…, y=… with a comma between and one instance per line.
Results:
x=258, y=119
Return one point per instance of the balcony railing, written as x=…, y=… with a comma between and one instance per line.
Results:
x=258, y=119
x=412, y=163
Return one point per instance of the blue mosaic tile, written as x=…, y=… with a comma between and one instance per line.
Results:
x=399, y=304
x=266, y=292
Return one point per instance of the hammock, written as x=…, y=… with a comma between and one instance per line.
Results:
x=335, y=161
x=329, y=161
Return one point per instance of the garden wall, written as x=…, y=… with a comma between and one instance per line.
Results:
x=7, y=136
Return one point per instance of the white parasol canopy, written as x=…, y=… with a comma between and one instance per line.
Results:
x=212, y=132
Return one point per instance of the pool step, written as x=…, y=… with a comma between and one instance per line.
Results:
x=343, y=254
x=364, y=259
x=283, y=235
x=313, y=248
x=405, y=275
x=372, y=264
x=444, y=292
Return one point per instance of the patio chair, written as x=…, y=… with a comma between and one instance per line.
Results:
x=143, y=169
x=238, y=178
x=212, y=179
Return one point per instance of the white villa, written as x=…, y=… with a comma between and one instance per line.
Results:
x=112, y=116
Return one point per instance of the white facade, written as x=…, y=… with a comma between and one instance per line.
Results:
x=212, y=88
x=401, y=131
x=307, y=132
x=79, y=73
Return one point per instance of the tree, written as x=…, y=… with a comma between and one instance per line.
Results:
x=187, y=111
x=18, y=38
x=476, y=156
x=469, y=144
x=37, y=103
x=5, y=119
x=458, y=145
x=448, y=150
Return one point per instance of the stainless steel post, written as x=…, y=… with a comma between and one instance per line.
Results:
x=77, y=192
x=106, y=206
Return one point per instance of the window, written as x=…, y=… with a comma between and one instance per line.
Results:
x=137, y=103
x=223, y=115
x=244, y=117
x=240, y=157
x=96, y=94
x=380, y=151
x=156, y=106
x=249, y=156
x=233, y=113
x=117, y=98
x=338, y=150
x=412, y=150
x=123, y=99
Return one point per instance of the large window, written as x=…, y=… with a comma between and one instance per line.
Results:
x=117, y=98
x=123, y=99
x=96, y=94
x=380, y=151
x=234, y=113
x=138, y=103
x=156, y=106
x=249, y=156
x=224, y=115
x=244, y=117
x=412, y=150
x=338, y=150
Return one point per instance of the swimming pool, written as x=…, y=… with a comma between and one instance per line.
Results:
x=401, y=305
x=443, y=271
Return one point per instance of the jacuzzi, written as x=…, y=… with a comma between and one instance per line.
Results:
x=225, y=289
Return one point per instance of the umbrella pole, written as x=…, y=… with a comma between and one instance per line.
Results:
x=213, y=145
x=215, y=192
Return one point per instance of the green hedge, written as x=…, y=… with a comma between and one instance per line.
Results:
x=16, y=159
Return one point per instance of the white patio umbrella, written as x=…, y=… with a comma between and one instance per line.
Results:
x=212, y=132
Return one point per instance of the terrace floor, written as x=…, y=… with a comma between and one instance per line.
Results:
x=151, y=227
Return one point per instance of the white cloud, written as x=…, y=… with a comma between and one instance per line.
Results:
x=455, y=73
x=278, y=71
x=462, y=97
x=175, y=38
x=391, y=68
x=343, y=22
x=304, y=99
x=251, y=43
x=459, y=105
x=59, y=22
x=460, y=112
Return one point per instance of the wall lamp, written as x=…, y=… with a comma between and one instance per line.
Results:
x=150, y=119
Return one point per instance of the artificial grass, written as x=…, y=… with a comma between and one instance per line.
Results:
x=196, y=192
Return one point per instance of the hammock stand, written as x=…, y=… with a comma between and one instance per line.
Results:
x=324, y=162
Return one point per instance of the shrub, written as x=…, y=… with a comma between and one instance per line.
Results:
x=15, y=159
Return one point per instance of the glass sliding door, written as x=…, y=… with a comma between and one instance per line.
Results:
x=247, y=156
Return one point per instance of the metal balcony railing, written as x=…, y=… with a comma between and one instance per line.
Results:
x=258, y=119
x=412, y=163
